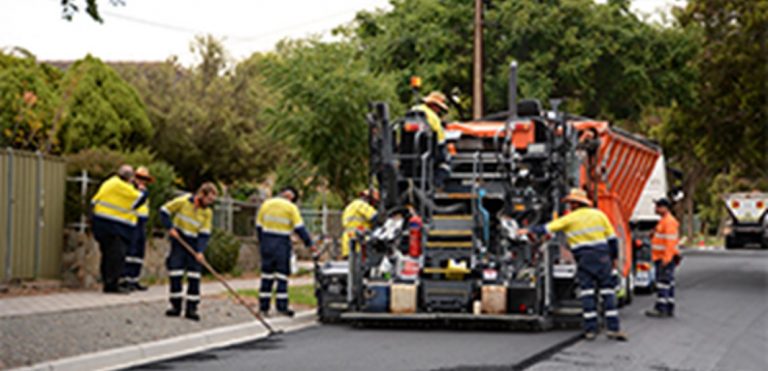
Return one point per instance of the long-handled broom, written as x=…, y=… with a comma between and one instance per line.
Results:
x=270, y=329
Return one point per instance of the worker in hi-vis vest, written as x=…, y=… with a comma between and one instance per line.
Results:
x=277, y=219
x=114, y=224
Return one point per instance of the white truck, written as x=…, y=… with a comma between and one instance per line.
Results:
x=643, y=222
x=748, y=224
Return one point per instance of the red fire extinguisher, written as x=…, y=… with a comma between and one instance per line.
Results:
x=415, y=226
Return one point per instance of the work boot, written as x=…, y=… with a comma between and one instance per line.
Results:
x=119, y=289
x=173, y=312
x=656, y=314
x=192, y=314
x=616, y=335
x=590, y=335
x=287, y=312
x=138, y=287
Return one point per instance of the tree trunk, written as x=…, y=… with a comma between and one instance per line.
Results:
x=690, y=184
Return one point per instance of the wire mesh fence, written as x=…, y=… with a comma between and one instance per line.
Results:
x=232, y=215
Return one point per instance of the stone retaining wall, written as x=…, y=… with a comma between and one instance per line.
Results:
x=81, y=257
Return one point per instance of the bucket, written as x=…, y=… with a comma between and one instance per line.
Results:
x=377, y=297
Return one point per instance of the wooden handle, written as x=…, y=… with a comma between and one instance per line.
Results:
x=224, y=282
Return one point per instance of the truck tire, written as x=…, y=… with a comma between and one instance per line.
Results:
x=630, y=289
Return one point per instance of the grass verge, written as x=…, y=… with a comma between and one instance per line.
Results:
x=303, y=295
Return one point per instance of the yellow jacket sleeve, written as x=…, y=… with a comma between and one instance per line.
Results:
x=559, y=224
x=296, y=219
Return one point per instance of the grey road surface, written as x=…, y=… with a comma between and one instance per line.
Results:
x=721, y=324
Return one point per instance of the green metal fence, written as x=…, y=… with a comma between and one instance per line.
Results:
x=31, y=214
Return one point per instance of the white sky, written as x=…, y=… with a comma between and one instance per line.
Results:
x=149, y=30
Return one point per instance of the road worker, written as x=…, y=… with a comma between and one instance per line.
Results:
x=134, y=258
x=114, y=224
x=188, y=217
x=594, y=245
x=277, y=219
x=665, y=256
x=434, y=108
x=358, y=215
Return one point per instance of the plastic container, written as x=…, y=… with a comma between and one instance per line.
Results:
x=409, y=269
x=377, y=297
x=494, y=299
x=403, y=298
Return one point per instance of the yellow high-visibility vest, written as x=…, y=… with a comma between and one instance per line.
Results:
x=357, y=214
x=434, y=122
x=279, y=216
x=143, y=210
x=583, y=227
x=189, y=220
x=116, y=200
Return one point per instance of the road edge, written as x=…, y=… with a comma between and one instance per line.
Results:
x=161, y=350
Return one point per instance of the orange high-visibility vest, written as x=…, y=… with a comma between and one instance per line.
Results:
x=665, y=239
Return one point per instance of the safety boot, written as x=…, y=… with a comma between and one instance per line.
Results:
x=656, y=313
x=117, y=289
x=191, y=313
x=173, y=312
x=138, y=287
x=590, y=335
x=616, y=335
x=287, y=312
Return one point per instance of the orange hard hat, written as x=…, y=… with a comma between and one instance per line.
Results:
x=142, y=173
x=437, y=98
x=579, y=196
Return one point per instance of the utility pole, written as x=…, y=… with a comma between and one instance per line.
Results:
x=477, y=81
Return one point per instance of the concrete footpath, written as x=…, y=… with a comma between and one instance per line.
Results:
x=50, y=303
x=156, y=351
x=90, y=330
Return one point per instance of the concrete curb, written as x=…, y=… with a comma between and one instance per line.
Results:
x=139, y=354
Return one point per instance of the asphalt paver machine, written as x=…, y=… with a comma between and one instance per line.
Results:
x=452, y=255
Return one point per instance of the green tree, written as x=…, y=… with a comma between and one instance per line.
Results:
x=29, y=100
x=721, y=136
x=101, y=109
x=323, y=91
x=209, y=118
x=732, y=111
x=600, y=57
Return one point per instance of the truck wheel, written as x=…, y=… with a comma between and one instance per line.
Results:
x=630, y=290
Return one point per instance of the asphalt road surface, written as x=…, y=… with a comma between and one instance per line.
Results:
x=721, y=324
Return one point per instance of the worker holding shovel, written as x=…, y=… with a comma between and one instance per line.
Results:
x=188, y=219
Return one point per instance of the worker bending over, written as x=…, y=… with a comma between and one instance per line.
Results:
x=114, y=224
x=188, y=217
x=359, y=215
